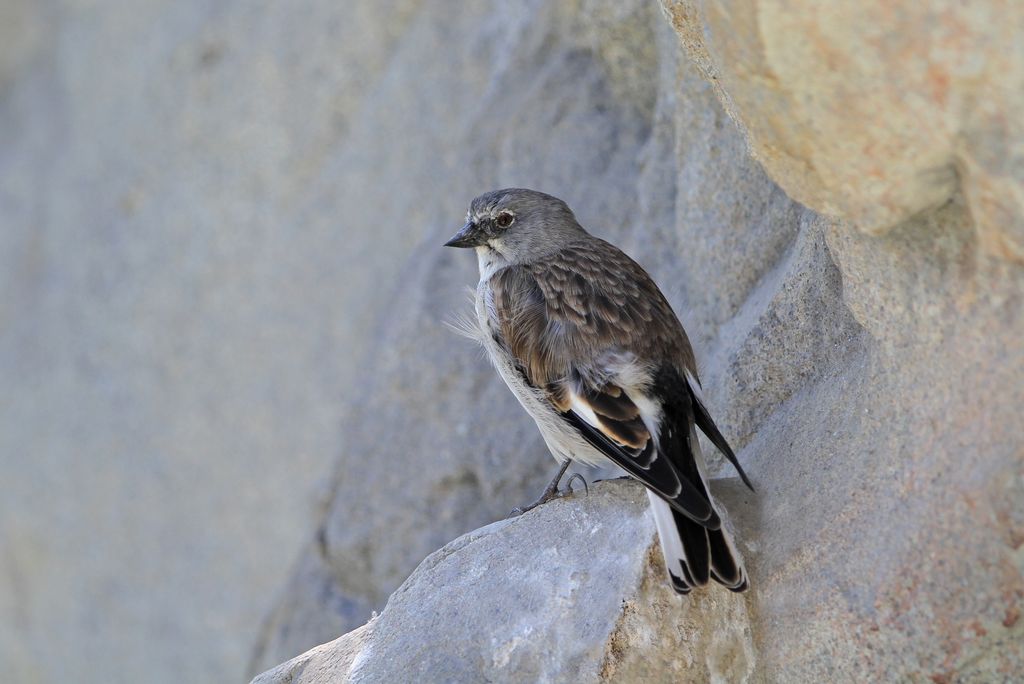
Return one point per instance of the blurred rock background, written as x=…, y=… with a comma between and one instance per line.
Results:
x=235, y=421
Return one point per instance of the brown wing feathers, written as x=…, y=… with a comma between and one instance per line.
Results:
x=606, y=299
x=536, y=334
x=522, y=315
x=660, y=475
x=558, y=323
x=618, y=416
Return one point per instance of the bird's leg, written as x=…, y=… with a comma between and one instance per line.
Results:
x=551, y=491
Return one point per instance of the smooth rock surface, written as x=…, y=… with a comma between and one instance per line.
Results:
x=186, y=290
x=874, y=111
x=591, y=569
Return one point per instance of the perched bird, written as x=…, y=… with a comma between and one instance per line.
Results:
x=594, y=353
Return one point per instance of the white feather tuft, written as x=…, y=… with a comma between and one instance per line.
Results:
x=464, y=325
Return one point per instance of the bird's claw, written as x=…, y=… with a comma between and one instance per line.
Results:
x=568, y=485
x=549, y=494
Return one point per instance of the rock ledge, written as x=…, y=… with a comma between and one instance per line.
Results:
x=571, y=591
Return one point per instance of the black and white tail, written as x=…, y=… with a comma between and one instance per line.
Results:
x=693, y=553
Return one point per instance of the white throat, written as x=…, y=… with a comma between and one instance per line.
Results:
x=490, y=261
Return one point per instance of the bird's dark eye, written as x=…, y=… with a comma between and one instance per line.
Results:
x=505, y=219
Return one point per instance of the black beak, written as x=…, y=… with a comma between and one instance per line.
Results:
x=469, y=236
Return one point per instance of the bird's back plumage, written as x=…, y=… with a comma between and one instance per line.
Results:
x=580, y=302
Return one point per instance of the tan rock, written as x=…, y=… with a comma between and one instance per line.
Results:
x=874, y=111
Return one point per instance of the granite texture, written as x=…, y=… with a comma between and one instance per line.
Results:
x=470, y=610
x=876, y=110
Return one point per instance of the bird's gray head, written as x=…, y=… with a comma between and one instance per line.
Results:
x=517, y=225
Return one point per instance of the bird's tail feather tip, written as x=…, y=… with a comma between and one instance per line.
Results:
x=694, y=554
x=684, y=584
x=679, y=585
x=737, y=585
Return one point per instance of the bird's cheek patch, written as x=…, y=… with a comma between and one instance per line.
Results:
x=498, y=245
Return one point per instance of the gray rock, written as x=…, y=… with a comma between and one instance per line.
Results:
x=315, y=606
x=330, y=662
x=586, y=601
x=182, y=312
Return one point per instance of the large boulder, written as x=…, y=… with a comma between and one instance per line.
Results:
x=875, y=110
x=572, y=591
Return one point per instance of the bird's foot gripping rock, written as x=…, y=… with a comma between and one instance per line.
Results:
x=552, y=491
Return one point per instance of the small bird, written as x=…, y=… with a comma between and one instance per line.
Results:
x=594, y=353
